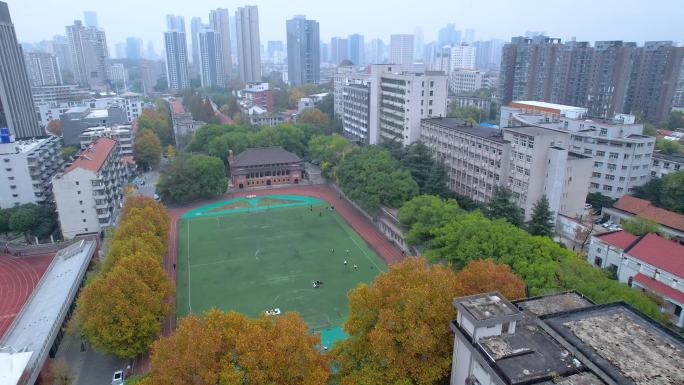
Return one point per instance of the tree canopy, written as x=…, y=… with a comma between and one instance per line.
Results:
x=541, y=222
x=423, y=214
x=158, y=121
x=502, y=206
x=666, y=192
x=483, y=276
x=190, y=177
x=313, y=116
x=29, y=219
x=639, y=225
x=328, y=151
x=470, y=113
x=430, y=174
x=668, y=147
x=147, y=149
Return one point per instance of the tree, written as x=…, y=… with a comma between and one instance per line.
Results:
x=541, y=222
x=423, y=214
x=313, y=116
x=190, y=177
x=68, y=153
x=502, y=206
x=371, y=178
x=649, y=129
x=24, y=219
x=158, y=121
x=329, y=151
x=55, y=127
x=121, y=312
x=668, y=147
x=639, y=225
x=170, y=151
x=229, y=348
x=599, y=201
x=147, y=149
x=430, y=175
x=399, y=327
x=470, y=113
x=5, y=221
x=483, y=276
x=675, y=120
x=672, y=194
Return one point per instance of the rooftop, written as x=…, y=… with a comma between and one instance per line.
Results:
x=625, y=345
x=664, y=254
x=646, y=209
x=94, y=156
x=554, y=303
x=475, y=129
x=620, y=239
x=547, y=107
x=677, y=158
x=486, y=306
x=659, y=287
x=264, y=156
x=21, y=146
x=98, y=114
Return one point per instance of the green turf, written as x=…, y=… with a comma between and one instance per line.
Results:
x=250, y=261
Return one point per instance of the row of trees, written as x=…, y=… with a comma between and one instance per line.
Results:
x=189, y=177
x=29, y=219
x=122, y=308
x=200, y=107
x=666, y=192
x=452, y=235
x=158, y=120
x=398, y=327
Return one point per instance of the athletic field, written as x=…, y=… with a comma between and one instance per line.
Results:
x=254, y=254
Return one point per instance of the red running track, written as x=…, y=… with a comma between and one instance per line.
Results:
x=18, y=278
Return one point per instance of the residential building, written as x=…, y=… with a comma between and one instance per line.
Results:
x=26, y=167
x=77, y=119
x=59, y=46
x=376, y=52
x=132, y=107
x=267, y=166
x=356, y=113
x=256, y=94
x=621, y=154
x=118, y=77
x=303, y=55
x=248, y=43
x=259, y=117
x=89, y=192
x=184, y=126
x=177, y=75
x=560, y=338
x=627, y=207
x=664, y=164
x=468, y=80
x=488, y=54
x=43, y=69
x=175, y=23
x=449, y=35
x=310, y=101
x=462, y=57
x=211, y=59
x=648, y=262
x=90, y=19
x=469, y=36
x=90, y=55
x=401, y=51
x=58, y=94
x=477, y=158
x=124, y=136
x=219, y=20
x=356, y=49
x=484, y=104
x=339, y=50
x=134, y=48
x=196, y=26
x=16, y=105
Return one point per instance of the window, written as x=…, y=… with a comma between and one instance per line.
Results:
x=76, y=183
x=614, y=155
x=8, y=169
x=600, y=153
x=603, y=132
x=432, y=93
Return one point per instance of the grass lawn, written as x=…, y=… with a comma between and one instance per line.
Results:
x=250, y=261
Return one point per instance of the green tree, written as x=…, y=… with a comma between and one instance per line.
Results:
x=430, y=175
x=329, y=151
x=158, y=121
x=423, y=214
x=541, y=221
x=639, y=225
x=599, y=201
x=470, y=113
x=5, y=215
x=313, y=116
x=190, y=177
x=147, y=149
x=672, y=194
x=502, y=206
x=649, y=129
x=371, y=178
x=68, y=153
x=675, y=120
x=668, y=147
x=24, y=219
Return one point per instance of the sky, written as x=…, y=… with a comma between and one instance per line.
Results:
x=585, y=20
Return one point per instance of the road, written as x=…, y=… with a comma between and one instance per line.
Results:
x=88, y=367
x=148, y=189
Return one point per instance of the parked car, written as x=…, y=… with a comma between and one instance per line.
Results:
x=587, y=206
x=608, y=224
x=118, y=378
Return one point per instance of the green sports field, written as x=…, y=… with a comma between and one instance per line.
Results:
x=254, y=254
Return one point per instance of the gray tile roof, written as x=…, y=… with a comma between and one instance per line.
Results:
x=264, y=156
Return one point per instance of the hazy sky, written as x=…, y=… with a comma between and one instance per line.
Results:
x=633, y=20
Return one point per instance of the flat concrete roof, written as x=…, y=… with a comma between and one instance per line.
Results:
x=553, y=303
x=553, y=106
x=486, y=306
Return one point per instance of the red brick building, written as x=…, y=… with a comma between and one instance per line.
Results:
x=265, y=167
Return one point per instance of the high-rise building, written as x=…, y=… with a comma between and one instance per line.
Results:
x=211, y=59
x=418, y=43
x=356, y=48
x=401, y=51
x=248, y=43
x=488, y=54
x=43, y=69
x=303, y=51
x=118, y=77
x=469, y=36
x=448, y=36
x=233, y=39
x=462, y=57
x=90, y=18
x=339, y=50
x=195, y=28
x=150, y=53
x=17, y=111
x=376, y=52
x=59, y=46
x=120, y=50
x=134, y=48
x=175, y=23
x=324, y=52
x=219, y=21
x=176, y=60
x=90, y=55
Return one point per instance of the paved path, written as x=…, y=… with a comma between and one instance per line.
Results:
x=88, y=367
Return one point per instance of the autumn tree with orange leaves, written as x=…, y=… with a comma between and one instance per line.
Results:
x=485, y=275
x=229, y=348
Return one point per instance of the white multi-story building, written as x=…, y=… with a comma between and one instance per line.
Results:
x=621, y=153
x=356, y=112
x=26, y=168
x=466, y=80
x=122, y=134
x=647, y=262
x=89, y=192
x=462, y=57
x=58, y=94
x=133, y=107
x=401, y=51
x=664, y=164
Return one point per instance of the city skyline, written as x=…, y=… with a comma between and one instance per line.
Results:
x=377, y=20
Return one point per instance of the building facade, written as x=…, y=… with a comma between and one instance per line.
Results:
x=77, y=119
x=89, y=192
x=16, y=105
x=26, y=167
x=462, y=57
x=664, y=164
x=124, y=136
x=219, y=21
x=468, y=80
x=265, y=167
x=176, y=60
x=671, y=223
x=90, y=55
x=401, y=51
x=211, y=59
x=303, y=51
x=248, y=43
x=356, y=49
x=356, y=112
x=43, y=69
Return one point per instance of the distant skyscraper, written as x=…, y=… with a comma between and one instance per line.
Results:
x=211, y=59
x=401, y=51
x=462, y=57
x=339, y=50
x=150, y=54
x=176, y=60
x=448, y=36
x=303, y=51
x=17, y=111
x=133, y=48
x=59, y=46
x=376, y=52
x=356, y=48
x=43, y=69
x=233, y=39
x=120, y=50
x=418, y=43
x=469, y=36
x=248, y=43
x=90, y=55
x=219, y=20
x=195, y=28
x=324, y=51
x=90, y=19
x=175, y=23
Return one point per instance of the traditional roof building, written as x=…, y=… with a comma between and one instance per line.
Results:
x=671, y=223
x=268, y=166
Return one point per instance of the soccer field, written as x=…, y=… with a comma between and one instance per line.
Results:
x=251, y=255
